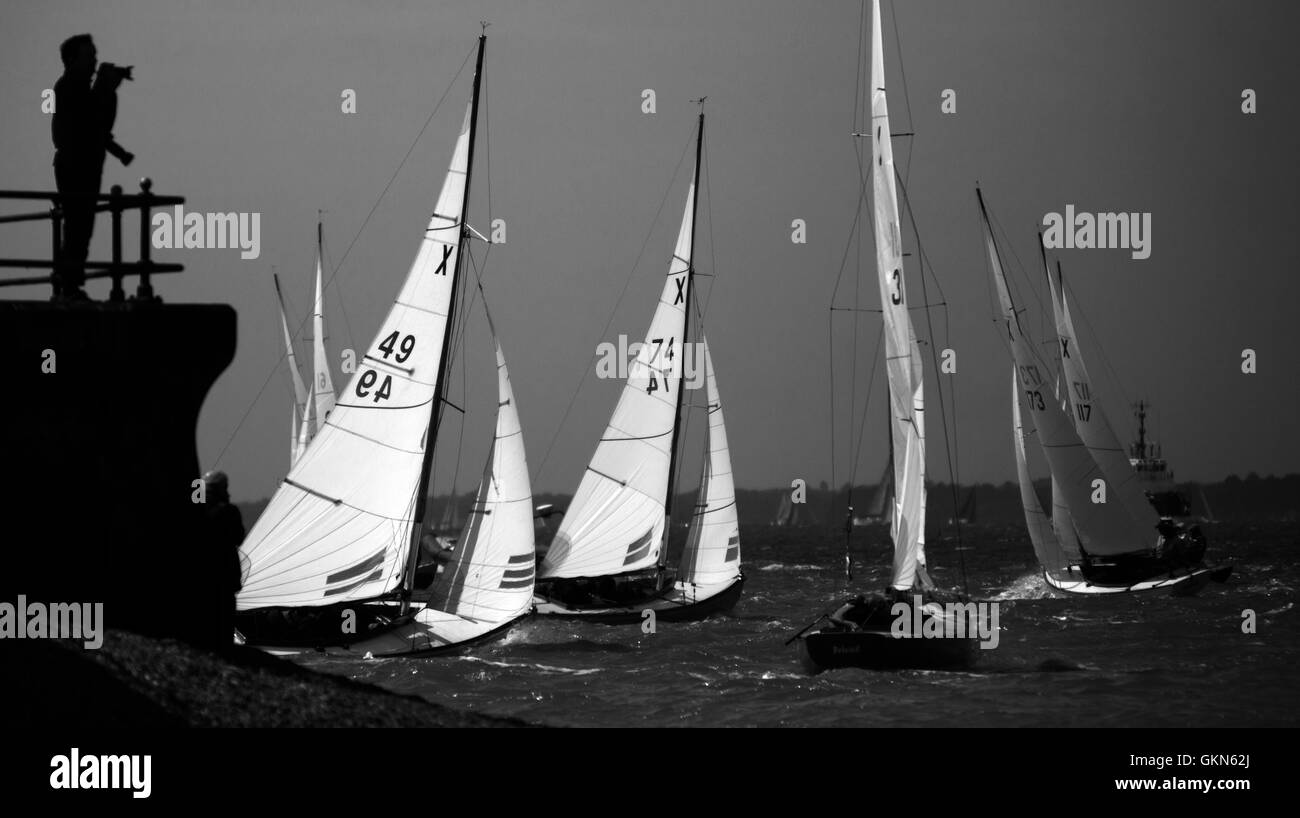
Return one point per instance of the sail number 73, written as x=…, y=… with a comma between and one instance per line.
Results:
x=399, y=351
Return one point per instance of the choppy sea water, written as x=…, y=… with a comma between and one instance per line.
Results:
x=1123, y=660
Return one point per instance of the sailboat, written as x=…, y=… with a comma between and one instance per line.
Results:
x=864, y=633
x=1122, y=546
x=332, y=559
x=311, y=405
x=607, y=561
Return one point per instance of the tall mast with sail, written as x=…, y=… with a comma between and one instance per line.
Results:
x=902, y=354
x=617, y=521
x=343, y=524
x=686, y=328
x=452, y=237
x=863, y=632
x=618, y=525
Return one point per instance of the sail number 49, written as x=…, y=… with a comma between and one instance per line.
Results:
x=390, y=347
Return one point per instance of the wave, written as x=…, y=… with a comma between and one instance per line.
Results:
x=1030, y=586
x=572, y=671
x=798, y=566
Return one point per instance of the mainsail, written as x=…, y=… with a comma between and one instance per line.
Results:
x=1104, y=528
x=616, y=521
x=712, y=554
x=300, y=393
x=1046, y=545
x=339, y=528
x=491, y=577
x=1090, y=419
x=902, y=355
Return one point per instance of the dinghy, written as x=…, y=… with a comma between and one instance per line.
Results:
x=332, y=560
x=607, y=561
x=864, y=632
x=1093, y=544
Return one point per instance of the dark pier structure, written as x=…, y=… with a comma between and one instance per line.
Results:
x=97, y=440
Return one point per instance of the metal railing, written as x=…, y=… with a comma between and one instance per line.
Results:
x=114, y=202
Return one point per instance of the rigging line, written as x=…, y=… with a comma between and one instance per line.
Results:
x=713, y=258
x=338, y=290
x=866, y=403
x=1078, y=308
x=626, y=282
x=281, y=308
x=302, y=325
x=950, y=443
x=922, y=259
x=902, y=73
x=686, y=431
x=459, y=330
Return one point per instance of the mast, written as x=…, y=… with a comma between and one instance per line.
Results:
x=440, y=387
x=686, y=329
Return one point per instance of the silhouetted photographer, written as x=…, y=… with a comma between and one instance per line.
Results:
x=84, y=114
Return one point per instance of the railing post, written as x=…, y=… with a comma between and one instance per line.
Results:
x=115, y=202
x=56, y=239
x=145, y=291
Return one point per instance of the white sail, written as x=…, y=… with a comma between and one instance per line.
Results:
x=1104, y=528
x=339, y=526
x=616, y=520
x=1090, y=419
x=712, y=554
x=1062, y=525
x=902, y=359
x=300, y=394
x=491, y=577
x=322, y=385
x=1046, y=545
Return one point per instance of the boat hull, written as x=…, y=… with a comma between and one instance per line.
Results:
x=681, y=603
x=1186, y=580
x=429, y=633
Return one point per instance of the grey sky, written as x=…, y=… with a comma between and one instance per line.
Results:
x=1107, y=106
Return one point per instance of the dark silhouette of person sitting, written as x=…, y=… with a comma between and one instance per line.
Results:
x=83, y=134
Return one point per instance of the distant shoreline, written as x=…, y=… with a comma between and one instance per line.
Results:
x=1233, y=499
